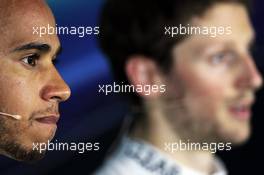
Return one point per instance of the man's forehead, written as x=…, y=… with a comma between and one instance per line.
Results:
x=12, y=4
x=17, y=10
x=226, y=15
x=18, y=19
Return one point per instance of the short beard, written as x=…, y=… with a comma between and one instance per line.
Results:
x=17, y=152
x=12, y=149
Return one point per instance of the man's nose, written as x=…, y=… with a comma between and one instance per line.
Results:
x=56, y=89
x=250, y=76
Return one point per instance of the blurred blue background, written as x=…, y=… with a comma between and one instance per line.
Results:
x=92, y=117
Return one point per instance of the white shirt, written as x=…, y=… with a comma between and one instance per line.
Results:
x=134, y=157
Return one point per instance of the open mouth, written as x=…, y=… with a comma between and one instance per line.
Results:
x=242, y=112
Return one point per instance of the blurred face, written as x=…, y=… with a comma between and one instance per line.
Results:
x=212, y=83
x=30, y=85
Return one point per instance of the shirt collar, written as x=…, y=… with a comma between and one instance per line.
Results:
x=153, y=160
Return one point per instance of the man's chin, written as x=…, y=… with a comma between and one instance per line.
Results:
x=240, y=140
x=43, y=135
x=21, y=153
x=240, y=136
x=24, y=156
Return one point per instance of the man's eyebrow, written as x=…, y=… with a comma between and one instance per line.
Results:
x=43, y=47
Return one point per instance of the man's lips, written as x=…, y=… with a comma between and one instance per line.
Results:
x=241, y=111
x=51, y=119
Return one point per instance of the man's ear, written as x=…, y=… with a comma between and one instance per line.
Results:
x=142, y=71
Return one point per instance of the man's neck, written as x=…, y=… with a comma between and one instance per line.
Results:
x=156, y=131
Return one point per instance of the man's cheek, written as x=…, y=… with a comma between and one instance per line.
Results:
x=24, y=101
x=207, y=102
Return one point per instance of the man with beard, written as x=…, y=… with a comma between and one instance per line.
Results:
x=210, y=81
x=30, y=86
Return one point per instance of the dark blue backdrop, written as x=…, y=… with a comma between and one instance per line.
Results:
x=89, y=116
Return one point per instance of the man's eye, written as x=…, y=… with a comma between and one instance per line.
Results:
x=217, y=59
x=224, y=57
x=31, y=60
